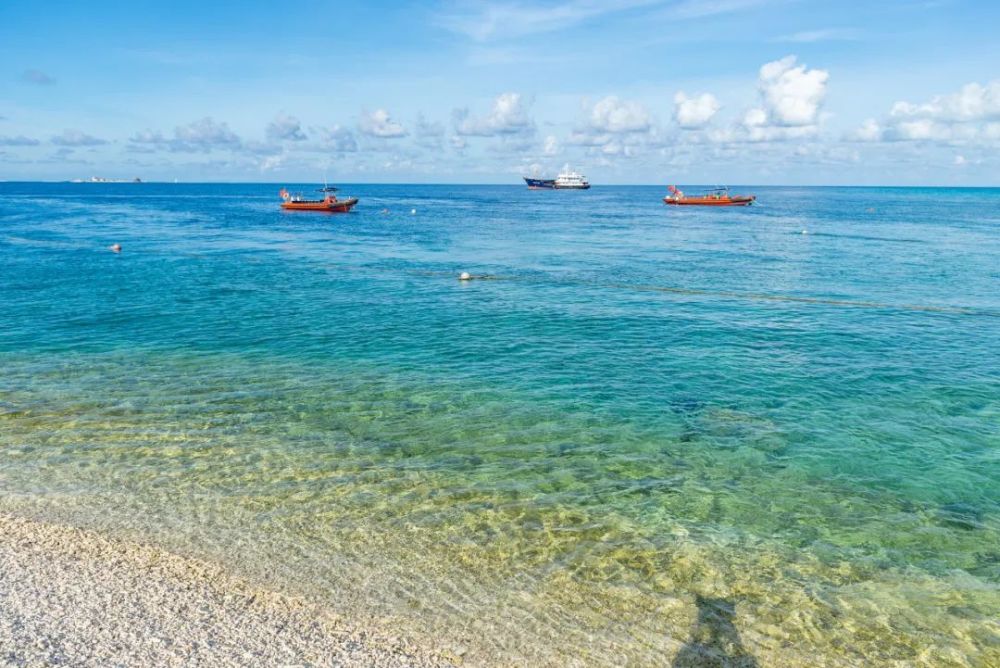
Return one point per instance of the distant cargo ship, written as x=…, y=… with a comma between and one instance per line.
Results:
x=566, y=180
x=540, y=184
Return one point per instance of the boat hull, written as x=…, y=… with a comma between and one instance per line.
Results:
x=540, y=184
x=584, y=186
x=738, y=200
x=339, y=206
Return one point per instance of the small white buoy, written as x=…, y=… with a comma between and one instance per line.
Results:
x=413, y=212
x=805, y=231
x=465, y=276
x=115, y=248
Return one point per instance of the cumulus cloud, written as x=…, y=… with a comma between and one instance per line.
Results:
x=425, y=128
x=791, y=97
x=198, y=136
x=694, y=112
x=37, y=77
x=508, y=116
x=615, y=116
x=621, y=145
x=870, y=130
x=147, y=137
x=972, y=102
x=285, y=128
x=77, y=138
x=204, y=135
x=338, y=140
x=19, y=140
x=430, y=134
x=971, y=113
x=551, y=146
x=378, y=123
x=272, y=162
x=792, y=94
x=614, y=127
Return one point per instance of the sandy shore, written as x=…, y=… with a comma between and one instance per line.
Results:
x=74, y=597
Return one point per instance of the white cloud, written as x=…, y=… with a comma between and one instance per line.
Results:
x=487, y=21
x=425, y=128
x=696, y=9
x=694, y=112
x=870, y=130
x=971, y=113
x=379, y=124
x=615, y=116
x=285, y=128
x=204, y=135
x=973, y=102
x=777, y=133
x=508, y=116
x=338, y=140
x=147, y=137
x=19, y=140
x=77, y=138
x=272, y=162
x=791, y=100
x=792, y=94
x=822, y=35
x=620, y=144
x=791, y=97
x=551, y=146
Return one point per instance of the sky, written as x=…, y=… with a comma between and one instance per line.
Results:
x=896, y=92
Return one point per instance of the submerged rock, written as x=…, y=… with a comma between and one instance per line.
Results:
x=960, y=516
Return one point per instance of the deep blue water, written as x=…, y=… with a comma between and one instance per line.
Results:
x=791, y=408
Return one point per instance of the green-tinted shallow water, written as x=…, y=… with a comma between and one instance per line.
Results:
x=653, y=436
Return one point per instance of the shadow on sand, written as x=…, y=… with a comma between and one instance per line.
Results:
x=715, y=642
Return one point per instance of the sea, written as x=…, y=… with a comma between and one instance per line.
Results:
x=639, y=435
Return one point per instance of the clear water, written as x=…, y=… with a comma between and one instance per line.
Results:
x=649, y=436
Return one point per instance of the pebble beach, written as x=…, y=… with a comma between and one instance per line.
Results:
x=71, y=597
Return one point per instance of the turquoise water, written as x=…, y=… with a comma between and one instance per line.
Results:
x=646, y=436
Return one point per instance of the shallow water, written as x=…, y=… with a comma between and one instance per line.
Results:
x=649, y=436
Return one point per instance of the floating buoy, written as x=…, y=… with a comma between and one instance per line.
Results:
x=805, y=231
x=115, y=248
x=465, y=276
x=413, y=212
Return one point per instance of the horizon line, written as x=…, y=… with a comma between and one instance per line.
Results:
x=489, y=183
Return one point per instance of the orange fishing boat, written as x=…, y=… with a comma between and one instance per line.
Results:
x=330, y=203
x=715, y=197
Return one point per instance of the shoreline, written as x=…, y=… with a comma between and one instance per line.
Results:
x=74, y=596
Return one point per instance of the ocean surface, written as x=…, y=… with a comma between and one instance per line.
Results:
x=642, y=435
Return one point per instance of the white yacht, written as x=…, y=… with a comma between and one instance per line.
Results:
x=571, y=181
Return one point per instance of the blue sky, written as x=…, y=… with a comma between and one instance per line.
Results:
x=638, y=91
